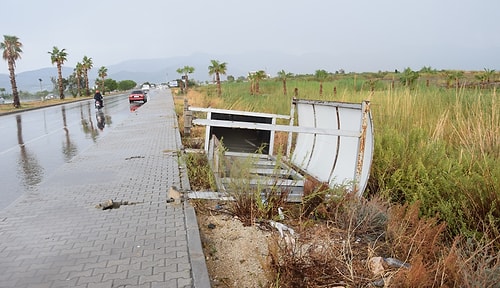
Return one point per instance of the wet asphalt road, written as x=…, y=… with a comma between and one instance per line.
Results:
x=34, y=143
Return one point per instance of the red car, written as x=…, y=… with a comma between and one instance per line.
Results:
x=137, y=95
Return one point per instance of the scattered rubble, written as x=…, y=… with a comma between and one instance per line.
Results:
x=110, y=204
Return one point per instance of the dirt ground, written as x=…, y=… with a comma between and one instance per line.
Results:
x=234, y=254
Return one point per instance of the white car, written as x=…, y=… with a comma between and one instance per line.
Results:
x=2, y=101
x=173, y=84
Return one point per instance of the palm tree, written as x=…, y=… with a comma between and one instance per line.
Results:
x=11, y=52
x=185, y=70
x=487, y=75
x=103, y=72
x=78, y=75
x=217, y=68
x=453, y=76
x=283, y=76
x=259, y=75
x=321, y=75
x=409, y=77
x=86, y=66
x=59, y=57
x=251, y=78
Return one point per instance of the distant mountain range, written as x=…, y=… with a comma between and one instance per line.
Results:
x=164, y=69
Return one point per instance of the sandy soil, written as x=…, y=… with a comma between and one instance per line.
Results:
x=234, y=254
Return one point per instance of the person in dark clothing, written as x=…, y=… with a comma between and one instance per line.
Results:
x=98, y=98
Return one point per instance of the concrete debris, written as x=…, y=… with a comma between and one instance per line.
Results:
x=110, y=204
x=395, y=263
x=376, y=265
x=379, y=283
x=175, y=195
x=379, y=264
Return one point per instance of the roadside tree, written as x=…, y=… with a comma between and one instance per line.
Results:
x=126, y=85
x=110, y=85
x=78, y=77
x=321, y=76
x=58, y=57
x=283, y=76
x=86, y=66
x=11, y=53
x=185, y=71
x=217, y=68
x=103, y=73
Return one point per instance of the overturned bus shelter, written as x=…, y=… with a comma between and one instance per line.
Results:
x=332, y=142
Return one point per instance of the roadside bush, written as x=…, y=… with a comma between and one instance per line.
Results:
x=199, y=172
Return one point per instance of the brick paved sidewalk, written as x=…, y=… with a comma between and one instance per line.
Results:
x=56, y=237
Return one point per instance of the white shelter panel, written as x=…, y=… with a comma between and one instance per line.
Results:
x=333, y=158
x=324, y=151
x=344, y=171
x=304, y=142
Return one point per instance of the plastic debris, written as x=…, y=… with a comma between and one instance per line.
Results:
x=281, y=216
x=395, y=263
x=281, y=227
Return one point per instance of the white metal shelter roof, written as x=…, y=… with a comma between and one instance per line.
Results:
x=339, y=159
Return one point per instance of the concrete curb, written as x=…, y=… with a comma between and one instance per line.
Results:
x=196, y=256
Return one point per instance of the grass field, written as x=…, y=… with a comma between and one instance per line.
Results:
x=433, y=196
x=436, y=145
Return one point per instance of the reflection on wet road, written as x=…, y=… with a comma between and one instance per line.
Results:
x=35, y=143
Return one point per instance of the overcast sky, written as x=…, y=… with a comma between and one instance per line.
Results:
x=360, y=35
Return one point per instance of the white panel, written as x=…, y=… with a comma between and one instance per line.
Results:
x=325, y=146
x=331, y=158
x=304, y=142
x=345, y=168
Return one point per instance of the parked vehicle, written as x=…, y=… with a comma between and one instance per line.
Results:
x=173, y=84
x=2, y=101
x=137, y=95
